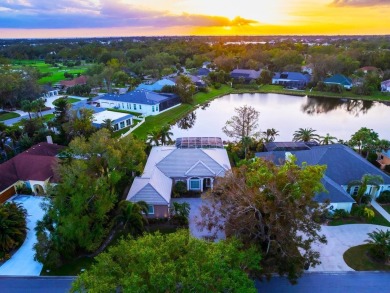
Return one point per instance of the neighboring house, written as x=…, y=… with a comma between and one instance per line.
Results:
x=247, y=74
x=385, y=86
x=340, y=80
x=119, y=120
x=197, y=81
x=198, y=166
x=34, y=167
x=343, y=166
x=370, y=69
x=202, y=72
x=291, y=79
x=384, y=158
x=65, y=84
x=157, y=86
x=288, y=146
x=307, y=68
x=48, y=91
x=141, y=101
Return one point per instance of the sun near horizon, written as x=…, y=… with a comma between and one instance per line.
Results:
x=95, y=18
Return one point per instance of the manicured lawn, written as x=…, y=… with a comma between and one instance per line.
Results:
x=377, y=220
x=73, y=100
x=357, y=258
x=173, y=115
x=386, y=207
x=48, y=117
x=8, y=115
x=56, y=74
x=124, y=111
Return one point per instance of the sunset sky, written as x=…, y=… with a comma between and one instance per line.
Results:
x=93, y=18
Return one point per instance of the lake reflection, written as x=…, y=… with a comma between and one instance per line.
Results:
x=339, y=117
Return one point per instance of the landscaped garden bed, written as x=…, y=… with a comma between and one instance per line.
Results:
x=359, y=259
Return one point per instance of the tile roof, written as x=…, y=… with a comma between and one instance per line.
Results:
x=140, y=97
x=33, y=164
x=246, y=73
x=339, y=79
x=293, y=76
x=76, y=81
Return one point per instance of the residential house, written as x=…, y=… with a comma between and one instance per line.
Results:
x=156, y=86
x=119, y=120
x=247, y=74
x=339, y=79
x=385, y=86
x=198, y=164
x=48, y=91
x=65, y=84
x=202, y=72
x=370, y=69
x=384, y=158
x=309, y=68
x=140, y=101
x=295, y=80
x=343, y=166
x=33, y=167
x=196, y=80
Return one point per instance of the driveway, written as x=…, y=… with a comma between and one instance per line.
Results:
x=195, y=204
x=22, y=263
x=340, y=239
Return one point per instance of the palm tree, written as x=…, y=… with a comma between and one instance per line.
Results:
x=181, y=209
x=165, y=134
x=305, y=135
x=270, y=134
x=381, y=241
x=13, y=226
x=153, y=137
x=27, y=106
x=131, y=216
x=108, y=124
x=367, y=179
x=327, y=139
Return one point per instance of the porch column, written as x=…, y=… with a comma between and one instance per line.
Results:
x=188, y=183
x=211, y=183
x=201, y=184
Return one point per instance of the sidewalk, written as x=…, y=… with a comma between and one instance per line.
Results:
x=380, y=210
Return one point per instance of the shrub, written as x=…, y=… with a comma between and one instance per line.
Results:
x=384, y=197
x=179, y=188
x=363, y=211
x=217, y=85
x=339, y=214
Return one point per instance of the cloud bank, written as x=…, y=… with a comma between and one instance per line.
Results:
x=72, y=14
x=360, y=3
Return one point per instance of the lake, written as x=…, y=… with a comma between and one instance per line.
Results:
x=338, y=117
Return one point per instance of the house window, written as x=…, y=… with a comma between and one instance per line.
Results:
x=156, y=108
x=355, y=190
x=195, y=184
x=128, y=106
x=116, y=127
x=152, y=108
x=140, y=107
x=150, y=210
x=207, y=182
x=123, y=106
x=122, y=124
x=128, y=122
x=135, y=107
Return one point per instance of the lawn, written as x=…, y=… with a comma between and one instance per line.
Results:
x=72, y=100
x=48, y=117
x=56, y=74
x=357, y=258
x=377, y=220
x=386, y=207
x=173, y=115
x=124, y=111
x=8, y=115
x=70, y=269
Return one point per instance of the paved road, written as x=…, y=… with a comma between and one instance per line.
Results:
x=347, y=282
x=35, y=284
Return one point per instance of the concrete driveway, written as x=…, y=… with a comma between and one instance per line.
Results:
x=22, y=263
x=340, y=239
x=195, y=204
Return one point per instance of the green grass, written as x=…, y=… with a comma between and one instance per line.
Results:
x=73, y=100
x=377, y=220
x=386, y=207
x=48, y=117
x=56, y=73
x=8, y=115
x=173, y=115
x=357, y=258
x=124, y=111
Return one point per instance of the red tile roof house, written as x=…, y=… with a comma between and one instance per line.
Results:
x=64, y=84
x=34, y=167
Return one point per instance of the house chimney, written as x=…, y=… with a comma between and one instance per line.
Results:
x=49, y=139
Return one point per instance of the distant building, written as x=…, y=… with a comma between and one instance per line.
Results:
x=65, y=84
x=295, y=80
x=341, y=80
x=307, y=69
x=369, y=69
x=140, y=101
x=247, y=74
x=385, y=86
x=156, y=86
x=201, y=72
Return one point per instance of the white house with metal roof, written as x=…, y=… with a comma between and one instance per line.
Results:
x=141, y=101
x=166, y=165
